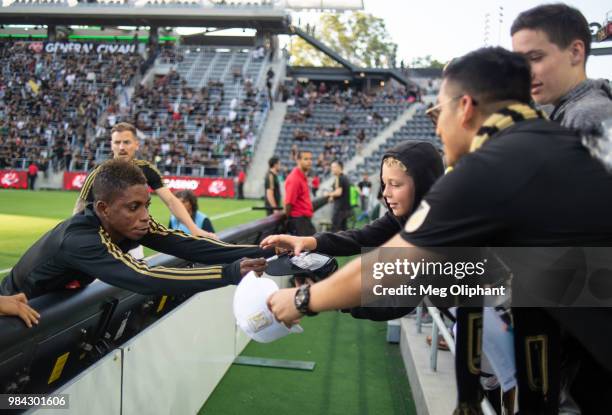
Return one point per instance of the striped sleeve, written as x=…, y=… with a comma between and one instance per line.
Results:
x=196, y=248
x=86, y=193
x=96, y=255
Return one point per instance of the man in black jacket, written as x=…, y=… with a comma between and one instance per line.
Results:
x=94, y=244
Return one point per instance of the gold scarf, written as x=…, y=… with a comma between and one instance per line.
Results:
x=501, y=120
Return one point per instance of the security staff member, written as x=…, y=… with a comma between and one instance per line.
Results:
x=340, y=196
x=93, y=244
x=124, y=144
x=298, y=205
x=272, y=186
x=506, y=188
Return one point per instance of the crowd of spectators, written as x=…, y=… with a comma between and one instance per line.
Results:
x=50, y=103
x=186, y=130
x=354, y=107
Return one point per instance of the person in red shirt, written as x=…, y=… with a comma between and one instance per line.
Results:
x=241, y=180
x=316, y=182
x=32, y=175
x=298, y=206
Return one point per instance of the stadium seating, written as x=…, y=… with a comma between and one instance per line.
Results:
x=198, y=116
x=328, y=137
x=63, y=113
x=51, y=103
x=418, y=128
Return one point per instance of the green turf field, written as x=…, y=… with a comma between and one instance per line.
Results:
x=357, y=373
x=26, y=215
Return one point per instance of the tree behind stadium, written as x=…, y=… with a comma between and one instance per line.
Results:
x=359, y=37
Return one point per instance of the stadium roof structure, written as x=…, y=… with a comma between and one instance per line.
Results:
x=270, y=17
x=255, y=17
x=354, y=70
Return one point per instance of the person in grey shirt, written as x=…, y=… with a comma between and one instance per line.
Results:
x=556, y=40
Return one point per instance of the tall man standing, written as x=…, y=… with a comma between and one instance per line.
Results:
x=298, y=205
x=124, y=145
x=340, y=196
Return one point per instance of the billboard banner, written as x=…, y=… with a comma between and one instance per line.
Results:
x=200, y=186
x=13, y=179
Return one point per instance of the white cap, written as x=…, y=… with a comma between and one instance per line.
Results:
x=252, y=313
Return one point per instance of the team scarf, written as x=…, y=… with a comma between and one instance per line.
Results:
x=499, y=121
x=469, y=399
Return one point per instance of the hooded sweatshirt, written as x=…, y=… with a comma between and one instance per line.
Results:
x=425, y=166
x=585, y=107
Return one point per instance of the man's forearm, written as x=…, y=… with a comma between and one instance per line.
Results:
x=178, y=210
x=336, y=193
x=270, y=197
x=343, y=288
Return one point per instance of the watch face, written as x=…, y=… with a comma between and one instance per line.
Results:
x=299, y=297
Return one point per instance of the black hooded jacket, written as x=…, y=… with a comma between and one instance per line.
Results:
x=425, y=166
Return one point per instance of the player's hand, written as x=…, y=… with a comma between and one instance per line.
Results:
x=281, y=304
x=17, y=305
x=202, y=232
x=247, y=265
x=296, y=244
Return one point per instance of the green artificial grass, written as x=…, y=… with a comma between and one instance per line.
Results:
x=26, y=215
x=356, y=372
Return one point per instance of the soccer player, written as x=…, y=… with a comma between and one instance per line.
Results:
x=124, y=144
x=94, y=244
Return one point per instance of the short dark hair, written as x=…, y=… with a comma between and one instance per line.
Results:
x=115, y=176
x=190, y=197
x=124, y=126
x=273, y=160
x=300, y=153
x=339, y=163
x=491, y=74
x=561, y=23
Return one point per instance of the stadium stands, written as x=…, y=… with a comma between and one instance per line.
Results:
x=335, y=123
x=50, y=103
x=418, y=128
x=201, y=119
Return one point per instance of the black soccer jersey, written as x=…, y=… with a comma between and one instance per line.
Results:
x=271, y=182
x=532, y=184
x=342, y=203
x=80, y=249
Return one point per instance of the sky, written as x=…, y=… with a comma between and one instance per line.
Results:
x=445, y=29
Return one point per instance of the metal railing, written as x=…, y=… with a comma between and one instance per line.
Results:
x=439, y=328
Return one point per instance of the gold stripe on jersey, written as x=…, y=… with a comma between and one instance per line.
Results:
x=87, y=184
x=141, y=163
x=193, y=274
x=159, y=229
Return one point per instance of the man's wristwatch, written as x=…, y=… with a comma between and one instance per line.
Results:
x=302, y=299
